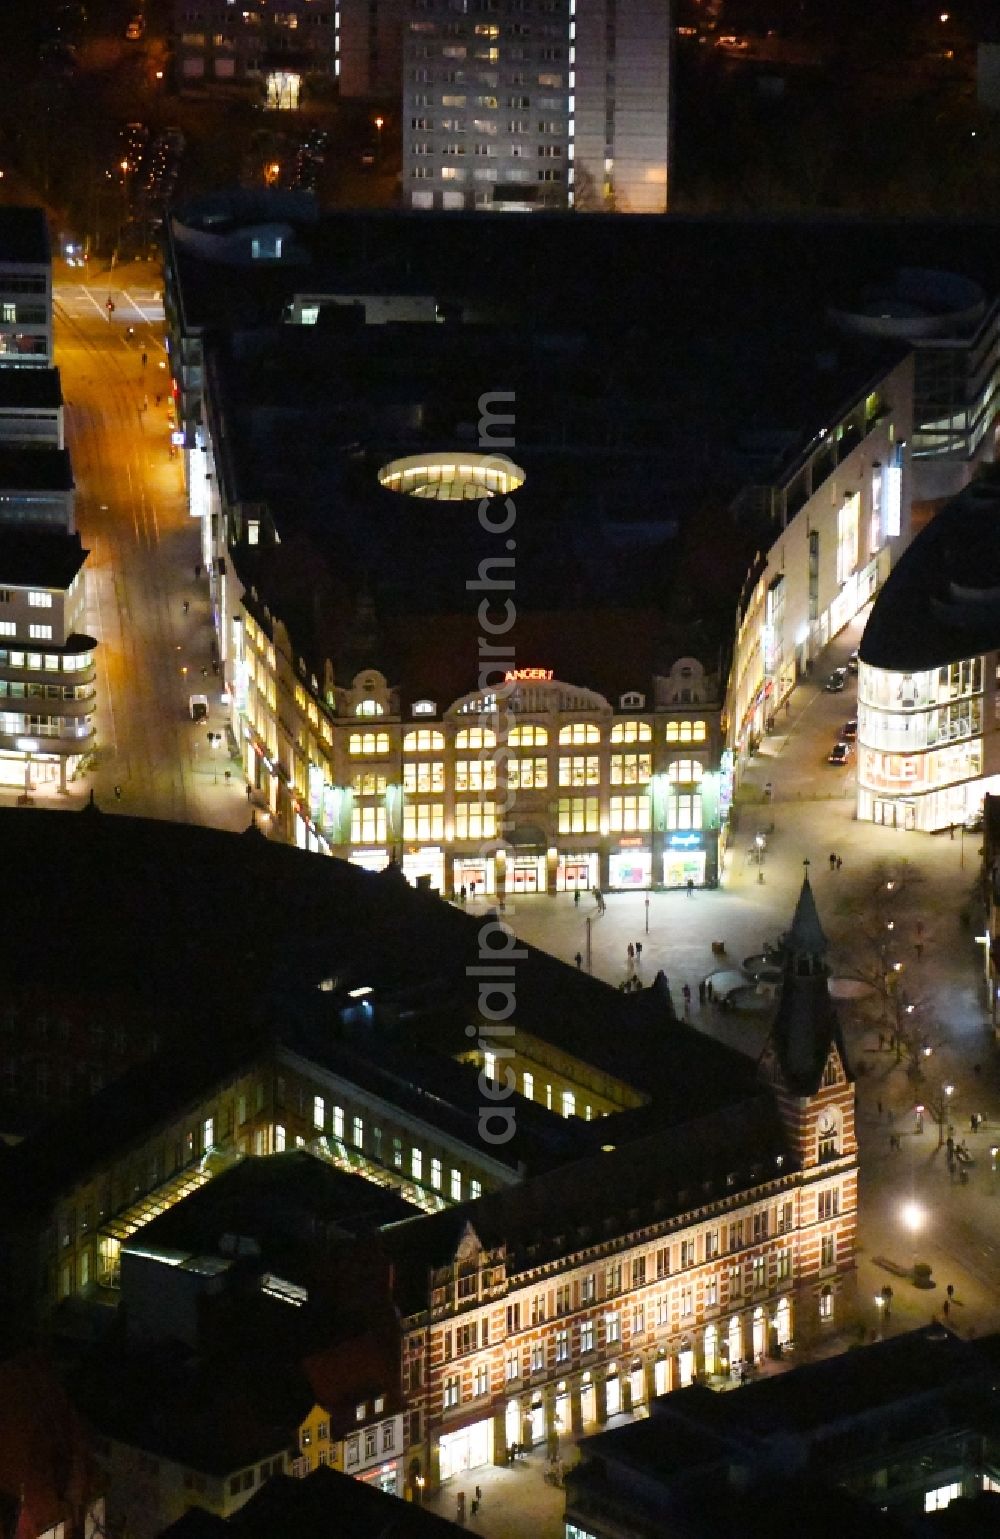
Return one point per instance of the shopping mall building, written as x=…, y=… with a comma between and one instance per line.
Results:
x=928, y=698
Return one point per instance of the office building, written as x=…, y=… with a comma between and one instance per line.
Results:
x=25, y=289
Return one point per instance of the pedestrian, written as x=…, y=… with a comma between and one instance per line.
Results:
x=919, y=948
x=631, y=953
x=881, y=1045
x=118, y=793
x=475, y=1507
x=638, y=951
x=972, y=1123
x=950, y=1290
x=143, y=359
x=709, y=990
x=686, y=991
x=145, y=403
x=578, y=959
x=197, y=570
x=249, y=792
x=702, y=994
x=479, y=1494
x=576, y=897
x=839, y=862
x=690, y=886
x=946, y=1308
x=159, y=397
x=833, y=862
x=977, y=1069
x=187, y=605
x=879, y=1105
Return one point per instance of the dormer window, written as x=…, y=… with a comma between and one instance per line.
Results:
x=633, y=701
x=424, y=708
x=368, y=708
x=359, y=1411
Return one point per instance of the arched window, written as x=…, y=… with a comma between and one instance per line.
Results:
x=368, y=743
x=476, y=737
x=369, y=708
x=423, y=740
x=580, y=732
x=529, y=736
x=685, y=772
x=631, y=732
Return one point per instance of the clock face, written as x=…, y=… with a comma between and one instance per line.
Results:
x=827, y=1126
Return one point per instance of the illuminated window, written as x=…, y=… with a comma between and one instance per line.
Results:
x=369, y=783
x=368, y=743
x=826, y=1304
x=456, y=1186
x=416, y=1164
x=528, y=774
x=848, y=523
x=629, y=814
x=368, y=825
x=686, y=772
x=436, y=1174
x=942, y=1496
x=369, y=708
x=683, y=810
x=631, y=769
x=568, y=1103
x=319, y=1112
x=40, y=600
x=686, y=731
x=580, y=770
x=529, y=1085
x=423, y=740
x=424, y=775
x=631, y=732
x=475, y=775
x=476, y=737
x=579, y=815
x=580, y=732
x=475, y=1189
x=475, y=820
x=338, y=1123
x=423, y=820
x=528, y=736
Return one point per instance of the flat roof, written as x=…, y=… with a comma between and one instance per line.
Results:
x=39, y=389
x=24, y=236
x=34, y=470
x=41, y=559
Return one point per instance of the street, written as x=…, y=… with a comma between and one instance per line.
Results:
x=131, y=513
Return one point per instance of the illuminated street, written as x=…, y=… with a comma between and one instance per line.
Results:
x=130, y=512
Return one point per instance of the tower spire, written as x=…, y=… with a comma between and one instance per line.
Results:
x=806, y=1025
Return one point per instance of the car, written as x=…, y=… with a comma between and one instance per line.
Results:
x=836, y=682
x=974, y=822
x=849, y=730
x=839, y=753
x=853, y=662
x=198, y=706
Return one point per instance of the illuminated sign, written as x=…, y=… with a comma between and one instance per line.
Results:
x=631, y=844
x=685, y=841
x=528, y=676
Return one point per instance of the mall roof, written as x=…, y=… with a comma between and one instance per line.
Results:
x=24, y=235
x=941, y=601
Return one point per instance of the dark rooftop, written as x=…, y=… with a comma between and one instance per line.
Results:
x=38, y=388
x=34, y=470
x=326, y=1505
x=941, y=601
x=24, y=235
x=42, y=559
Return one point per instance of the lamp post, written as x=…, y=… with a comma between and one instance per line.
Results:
x=759, y=842
x=647, y=913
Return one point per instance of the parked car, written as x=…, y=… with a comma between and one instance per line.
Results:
x=853, y=662
x=198, y=706
x=839, y=754
x=849, y=730
x=836, y=682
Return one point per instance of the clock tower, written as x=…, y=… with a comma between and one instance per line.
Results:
x=805, y=1066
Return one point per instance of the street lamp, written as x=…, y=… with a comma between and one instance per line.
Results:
x=913, y=1216
x=759, y=841
x=647, y=913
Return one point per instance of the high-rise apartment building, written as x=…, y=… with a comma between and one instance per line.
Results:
x=525, y=104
